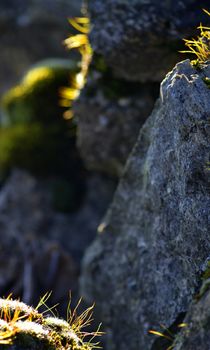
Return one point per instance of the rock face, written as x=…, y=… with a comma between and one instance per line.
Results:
x=30, y=31
x=144, y=267
x=195, y=334
x=107, y=133
x=140, y=38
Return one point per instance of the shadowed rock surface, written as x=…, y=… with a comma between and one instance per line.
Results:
x=109, y=121
x=140, y=38
x=41, y=248
x=144, y=267
x=195, y=334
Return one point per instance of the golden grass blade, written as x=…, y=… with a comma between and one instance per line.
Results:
x=83, y=28
x=200, y=47
x=159, y=334
x=207, y=12
x=182, y=325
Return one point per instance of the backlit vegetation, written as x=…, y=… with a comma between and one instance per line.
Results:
x=168, y=335
x=81, y=43
x=26, y=327
x=200, y=47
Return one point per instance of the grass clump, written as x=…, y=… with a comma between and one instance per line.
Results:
x=200, y=47
x=23, y=327
x=80, y=42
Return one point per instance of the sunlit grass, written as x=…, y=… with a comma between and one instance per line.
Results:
x=81, y=43
x=17, y=318
x=167, y=334
x=200, y=47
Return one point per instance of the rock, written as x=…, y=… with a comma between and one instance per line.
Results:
x=116, y=111
x=31, y=262
x=144, y=267
x=140, y=39
x=79, y=228
x=41, y=249
x=31, y=31
x=195, y=334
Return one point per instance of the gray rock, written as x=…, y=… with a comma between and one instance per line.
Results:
x=30, y=31
x=140, y=39
x=40, y=248
x=144, y=267
x=109, y=122
x=195, y=334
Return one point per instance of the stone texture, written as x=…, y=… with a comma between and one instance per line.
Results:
x=32, y=30
x=140, y=39
x=144, y=267
x=195, y=335
x=41, y=249
x=108, y=131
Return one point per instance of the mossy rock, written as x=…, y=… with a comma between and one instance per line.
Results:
x=34, y=148
x=24, y=328
x=34, y=135
x=37, y=96
x=47, y=153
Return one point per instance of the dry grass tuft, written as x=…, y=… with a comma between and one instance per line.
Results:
x=200, y=47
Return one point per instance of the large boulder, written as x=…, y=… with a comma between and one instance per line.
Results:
x=30, y=31
x=140, y=39
x=144, y=267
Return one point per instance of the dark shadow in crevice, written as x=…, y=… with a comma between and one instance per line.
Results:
x=162, y=343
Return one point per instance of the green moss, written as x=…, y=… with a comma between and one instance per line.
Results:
x=36, y=98
x=34, y=135
x=205, y=282
x=33, y=148
x=24, y=328
x=206, y=273
x=207, y=81
x=45, y=152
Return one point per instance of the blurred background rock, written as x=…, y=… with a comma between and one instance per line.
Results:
x=30, y=31
x=50, y=206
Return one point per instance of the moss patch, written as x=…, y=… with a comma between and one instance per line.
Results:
x=22, y=327
x=35, y=136
x=36, y=98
